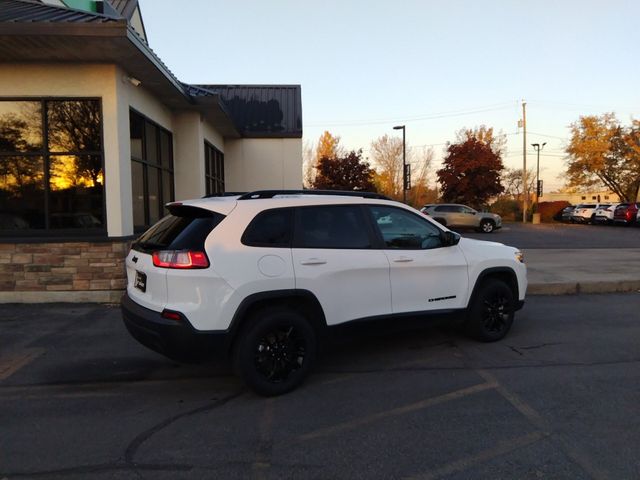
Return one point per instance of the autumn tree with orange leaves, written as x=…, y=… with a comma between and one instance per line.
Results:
x=472, y=167
x=601, y=151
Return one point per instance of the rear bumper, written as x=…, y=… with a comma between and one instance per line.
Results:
x=177, y=340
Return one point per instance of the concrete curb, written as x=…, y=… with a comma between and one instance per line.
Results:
x=574, y=288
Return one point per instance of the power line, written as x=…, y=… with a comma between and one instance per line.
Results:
x=574, y=106
x=432, y=116
x=548, y=136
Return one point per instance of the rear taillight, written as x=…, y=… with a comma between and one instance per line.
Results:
x=180, y=259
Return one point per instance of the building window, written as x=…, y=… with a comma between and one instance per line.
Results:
x=213, y=169
x=606, y=197
x=584, y=197
x=51, y=167
x=151, y=170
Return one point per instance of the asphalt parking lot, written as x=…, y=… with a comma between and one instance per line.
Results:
x=558, y=398
x=562, y=235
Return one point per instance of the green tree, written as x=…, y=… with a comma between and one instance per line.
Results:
x=601, y=151
x=348, y=172
x=472, y=167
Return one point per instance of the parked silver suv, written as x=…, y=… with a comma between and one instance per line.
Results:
x=455, y=215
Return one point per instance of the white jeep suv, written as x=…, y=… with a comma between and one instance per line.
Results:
x=262, y=277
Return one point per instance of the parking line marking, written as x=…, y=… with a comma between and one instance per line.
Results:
x=422, y=404
x=11, y=363
x=541, y=424
x=502, y=448
x=262, y=461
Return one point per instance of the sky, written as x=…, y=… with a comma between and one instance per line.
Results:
x=434, y=66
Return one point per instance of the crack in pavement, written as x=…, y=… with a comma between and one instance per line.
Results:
x=128, y=463
x=98, y=468
x=137, y=442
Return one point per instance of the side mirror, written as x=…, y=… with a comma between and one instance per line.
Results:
x=450, y=238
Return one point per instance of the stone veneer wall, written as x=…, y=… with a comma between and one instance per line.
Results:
x=63, y=272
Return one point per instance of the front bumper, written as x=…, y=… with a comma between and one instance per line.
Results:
x=177, y=340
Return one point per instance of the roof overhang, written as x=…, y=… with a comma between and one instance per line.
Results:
x=111, y=42
x=214, y=111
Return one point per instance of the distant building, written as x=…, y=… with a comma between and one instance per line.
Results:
x=97, y=134
x=601, y=196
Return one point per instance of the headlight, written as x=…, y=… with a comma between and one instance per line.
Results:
x=520, y=256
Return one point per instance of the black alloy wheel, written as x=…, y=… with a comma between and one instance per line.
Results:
x=279, y=353
x=275, y=350
x=492, y=311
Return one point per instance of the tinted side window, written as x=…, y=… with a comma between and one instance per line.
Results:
x=447, y=208
x=271, y=228
x=401, y=229
x=332, y=226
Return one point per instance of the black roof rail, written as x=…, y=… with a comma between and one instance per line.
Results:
x=225, y=194
x=259, y=194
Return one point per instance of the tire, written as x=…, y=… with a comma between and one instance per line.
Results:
x=487, y=226
x=275, y=351
x=491, y=312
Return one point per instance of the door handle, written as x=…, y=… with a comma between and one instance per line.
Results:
x=403, y=259
x=313, y=261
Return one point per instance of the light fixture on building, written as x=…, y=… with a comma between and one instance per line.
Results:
x=132, y=80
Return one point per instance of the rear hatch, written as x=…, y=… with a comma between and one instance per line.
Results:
x=176, y=241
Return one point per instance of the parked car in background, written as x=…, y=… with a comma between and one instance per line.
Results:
x=585, y=212
x=565, y=214
x=604, y=214
x=456, y=215
x=626, y=213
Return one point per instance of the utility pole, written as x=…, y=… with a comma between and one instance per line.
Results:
x=538, y=147
x=524, y=162
x=405, y=175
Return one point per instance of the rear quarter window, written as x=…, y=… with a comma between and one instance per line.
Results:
x=270, y=228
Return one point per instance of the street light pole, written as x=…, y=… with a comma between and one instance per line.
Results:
x=537, y=148
x=524, y=162
x=404, y=162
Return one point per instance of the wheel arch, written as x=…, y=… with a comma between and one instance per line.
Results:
x=506, y=274
x=302, y=301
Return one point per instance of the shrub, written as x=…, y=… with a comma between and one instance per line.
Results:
x=507, y=208
x=549, y=210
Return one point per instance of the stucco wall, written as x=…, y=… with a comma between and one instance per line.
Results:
x=103, y=81
x=250, y=164
x=263, y=163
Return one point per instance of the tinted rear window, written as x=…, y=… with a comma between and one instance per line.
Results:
x=186, y=228
x=332, y=226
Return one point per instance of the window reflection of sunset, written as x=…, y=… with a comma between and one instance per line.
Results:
x=65, y=172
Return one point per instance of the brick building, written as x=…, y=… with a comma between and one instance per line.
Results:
x=97, y=135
